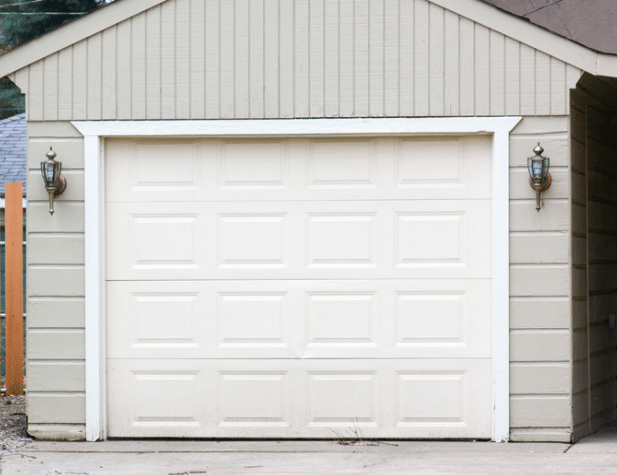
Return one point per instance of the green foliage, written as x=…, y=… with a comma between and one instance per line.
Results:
x=24, y=20
x=11, y=99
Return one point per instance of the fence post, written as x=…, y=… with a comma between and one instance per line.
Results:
x=13, y=269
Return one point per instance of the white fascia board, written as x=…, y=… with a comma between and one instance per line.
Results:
x=94, y=208
x=70, y=34
x=294, y=127
x=534, y=36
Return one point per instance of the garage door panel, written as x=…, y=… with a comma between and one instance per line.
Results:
x=139, y=170
x=416, y=168
x=168, y=239
x=301, y=319
x=291, y=398
x=299, y=287
x=318, y=240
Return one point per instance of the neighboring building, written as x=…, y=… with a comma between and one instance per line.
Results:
x=13, y=151
x=283, y=219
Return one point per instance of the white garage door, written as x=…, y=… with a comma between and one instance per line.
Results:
x=299, y=288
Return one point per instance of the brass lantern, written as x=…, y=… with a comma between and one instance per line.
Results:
x=539, y=177
x=55, y=183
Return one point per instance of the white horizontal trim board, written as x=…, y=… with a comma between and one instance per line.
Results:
x=94, y=169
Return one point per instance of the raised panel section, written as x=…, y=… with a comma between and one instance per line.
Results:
x=341, y=319
x=340, y=165
x=431, y=318
x=300, y=398
x=341, y=399
x=253, y=319
x=444, y=167
x=151, y=393
x=425, y=397
x=259, y=165
x=253, y=399
x=150, y=168
x=428, y=239
x=155, y=170
x=429, y=163
x=164, y=320
x=158, y=320
x=164, y=241
x=251, y=240
x=341, y=240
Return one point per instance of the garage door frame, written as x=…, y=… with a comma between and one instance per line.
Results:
x=95, y=132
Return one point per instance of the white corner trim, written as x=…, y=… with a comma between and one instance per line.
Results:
x=501, y=280
x=94, y=290
x=95, y=131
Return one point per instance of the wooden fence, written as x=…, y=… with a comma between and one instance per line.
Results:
x=13, y=356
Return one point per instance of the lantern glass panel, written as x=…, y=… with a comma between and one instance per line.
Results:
x=51, y=171
x=537, y=168
x=545, y=167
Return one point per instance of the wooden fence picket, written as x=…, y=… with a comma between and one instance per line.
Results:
x=14, y=332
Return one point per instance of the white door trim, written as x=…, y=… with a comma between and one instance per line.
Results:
x=94, y=170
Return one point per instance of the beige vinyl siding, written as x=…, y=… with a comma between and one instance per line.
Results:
x=594, y=210
x=540, y=282
x=55, y=286
x=280, y=59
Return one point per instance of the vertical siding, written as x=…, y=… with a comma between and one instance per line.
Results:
x=50, y=87
x=540, y=283
x=109, y=75
x=212, y=64
x=316, y=58
x=186, y=59
x=147, y=64
x=256, y=58
x=331, y=58
x=123, y=74
x=452, y=64
x=271, y=59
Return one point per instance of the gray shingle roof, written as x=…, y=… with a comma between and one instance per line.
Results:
x=13, y=151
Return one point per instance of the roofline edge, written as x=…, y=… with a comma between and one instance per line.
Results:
x=69, y=34
x=568, y=51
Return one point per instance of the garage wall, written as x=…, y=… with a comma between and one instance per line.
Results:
x=55, y=287
x=540, y=345
x=594, y=254
x=275, y=58
x=540, y=287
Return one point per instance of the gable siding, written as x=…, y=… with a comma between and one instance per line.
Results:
x=222, y=59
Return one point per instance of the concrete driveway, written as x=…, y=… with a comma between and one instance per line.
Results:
x=594, y=455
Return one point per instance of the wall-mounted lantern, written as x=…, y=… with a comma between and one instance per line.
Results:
x=55, y=183
x=539, y=177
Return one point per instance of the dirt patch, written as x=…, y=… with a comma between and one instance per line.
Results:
x=13, y=425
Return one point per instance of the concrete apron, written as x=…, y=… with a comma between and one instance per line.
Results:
x=597, y=454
